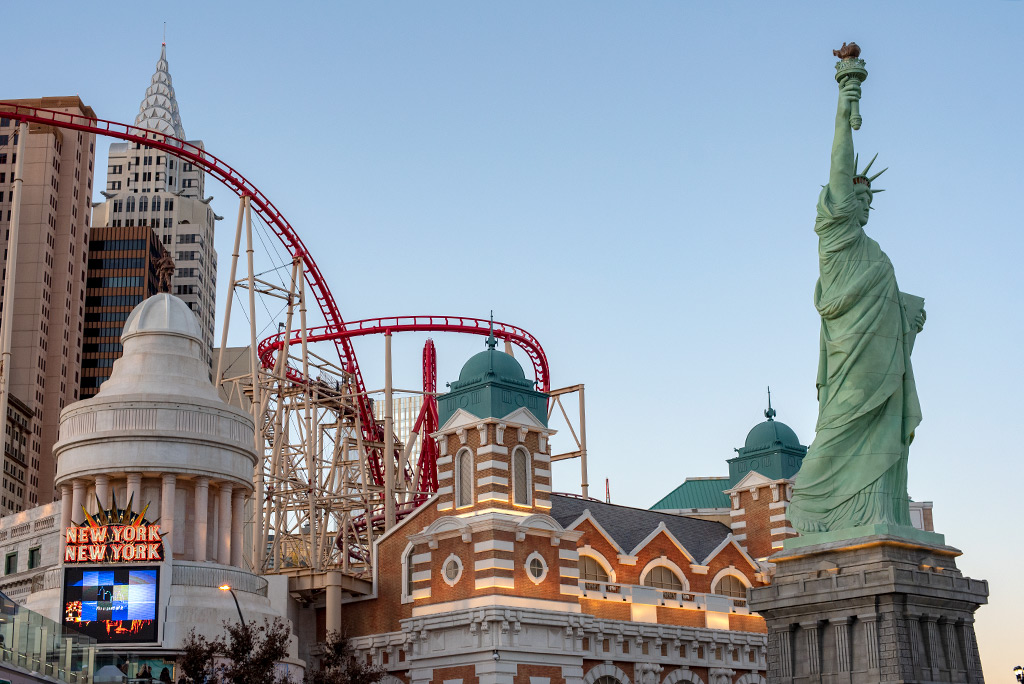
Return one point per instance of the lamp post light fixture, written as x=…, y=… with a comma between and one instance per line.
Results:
x=1019, y=673
x=227, y=587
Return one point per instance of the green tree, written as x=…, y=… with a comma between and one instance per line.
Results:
x=338, y=664
x=245, y=654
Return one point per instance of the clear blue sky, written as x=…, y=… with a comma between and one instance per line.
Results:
x=634, y=183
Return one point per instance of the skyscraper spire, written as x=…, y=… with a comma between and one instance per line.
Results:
x=159, y=109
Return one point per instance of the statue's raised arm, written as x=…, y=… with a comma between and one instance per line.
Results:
x=842, y=171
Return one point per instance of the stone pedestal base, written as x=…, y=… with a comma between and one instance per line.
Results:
x=874, y=609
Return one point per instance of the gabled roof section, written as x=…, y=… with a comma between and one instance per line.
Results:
x=731, y=541
x=159, y=109
x=524, y=416
x=671, y=537
x=587, y=515
x=751, y=479
x=460, y=418
x=628, y=527
x=697, y=492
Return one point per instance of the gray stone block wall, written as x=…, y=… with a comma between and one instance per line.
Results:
x=876, y=609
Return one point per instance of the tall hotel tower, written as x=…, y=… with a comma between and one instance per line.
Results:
x=146, y=187
x=49, y=292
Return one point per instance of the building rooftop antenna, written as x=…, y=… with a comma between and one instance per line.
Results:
x=770, y=413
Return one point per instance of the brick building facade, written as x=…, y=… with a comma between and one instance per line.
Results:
x=497, y=579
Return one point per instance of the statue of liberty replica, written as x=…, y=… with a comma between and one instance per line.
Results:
x=861, y=596
x=855, y=472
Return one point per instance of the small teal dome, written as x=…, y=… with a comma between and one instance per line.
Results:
x=503, y=366
x=770, y=433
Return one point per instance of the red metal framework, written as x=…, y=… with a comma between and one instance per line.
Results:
x=336, y=330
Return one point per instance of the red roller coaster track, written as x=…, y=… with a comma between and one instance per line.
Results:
x=336, y=329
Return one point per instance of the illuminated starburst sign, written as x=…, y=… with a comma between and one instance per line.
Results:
x=115, y=535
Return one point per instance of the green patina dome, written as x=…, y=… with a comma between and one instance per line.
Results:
x=770, y=433
x=491, y=360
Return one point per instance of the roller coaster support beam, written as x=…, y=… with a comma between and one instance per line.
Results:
x=12, y=268
x=389, y=438
x=580, y=439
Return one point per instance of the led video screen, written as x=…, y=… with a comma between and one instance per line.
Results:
x=112, y=605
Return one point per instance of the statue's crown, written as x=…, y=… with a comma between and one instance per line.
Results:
x=862, y=177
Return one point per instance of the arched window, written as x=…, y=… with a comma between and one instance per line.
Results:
x=169, y=204
x=407, y=573
x=730, y=585
x=156, y=204
x=607, y=679
x=129, y=204
x=464, y=478
x=591, y=570
x=521, y=484
x=143, y=204
x=661, y=577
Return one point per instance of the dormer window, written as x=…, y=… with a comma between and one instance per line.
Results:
x=521, y=484
x=464, y=478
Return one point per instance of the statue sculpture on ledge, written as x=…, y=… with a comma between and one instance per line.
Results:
x=855, y=472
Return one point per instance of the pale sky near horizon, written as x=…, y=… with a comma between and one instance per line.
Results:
x=633, y=183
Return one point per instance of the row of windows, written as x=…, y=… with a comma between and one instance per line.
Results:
x=521, y=480
x=108, y=264
x=661, y=577
x=128, y=204
x=105, y=316
x=98, y=363
x=113, y=300
x=102, y=347
x=104, y=332
x=116, y=281
x=111, y=245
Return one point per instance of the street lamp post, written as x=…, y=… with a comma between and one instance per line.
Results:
x=227, y=587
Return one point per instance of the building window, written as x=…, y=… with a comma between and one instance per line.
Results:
x=661, y=577
x=521, y=476
x=591, y=570
x=451, y=570
x=143, y=204
x=33, y=557
x=156, y=204
x=464, y=478
x=536, y=568
x=730, y=585
x=11, y=564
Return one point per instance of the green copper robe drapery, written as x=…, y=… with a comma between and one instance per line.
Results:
x=855, y=472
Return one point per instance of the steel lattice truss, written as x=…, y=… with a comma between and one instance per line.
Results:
x=323, y=491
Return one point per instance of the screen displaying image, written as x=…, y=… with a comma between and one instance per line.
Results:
x=112, y=605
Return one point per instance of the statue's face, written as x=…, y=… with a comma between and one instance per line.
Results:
x=864, y=198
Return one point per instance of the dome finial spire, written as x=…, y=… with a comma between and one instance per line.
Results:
x=491, y=341
x=770, y=413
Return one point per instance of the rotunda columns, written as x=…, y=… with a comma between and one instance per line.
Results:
x=77, y=501
x=202, y=516
x=65, y=514
x=134, y=493
x=103, y=491
x=237, y=518
x=224, y=525
x=167, y=514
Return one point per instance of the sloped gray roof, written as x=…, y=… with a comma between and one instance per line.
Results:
x=630, y=526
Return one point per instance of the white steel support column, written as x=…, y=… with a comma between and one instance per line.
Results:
x=224, y=525
x=333, y=600
x=257, y=402
x=77, y=501
x=202, y=517
x=7, y=327
x=134, y=491
x=389, y=438
x=585, y=486
x=237, y=518
x=167, y=495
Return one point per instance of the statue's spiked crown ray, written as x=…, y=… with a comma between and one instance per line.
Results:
x=863, y=177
